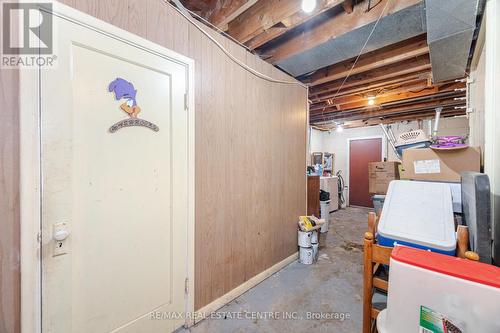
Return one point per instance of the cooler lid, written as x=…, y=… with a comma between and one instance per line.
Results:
x=419, y=213
x=461, y=268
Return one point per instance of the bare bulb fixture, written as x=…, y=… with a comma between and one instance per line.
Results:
x=371, y=100
x=340, y=128
x=308, y=5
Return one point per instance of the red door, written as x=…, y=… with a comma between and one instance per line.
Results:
x=362, y=152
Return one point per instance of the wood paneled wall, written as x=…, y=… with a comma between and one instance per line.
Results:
x=10, y=276
x=250, y=148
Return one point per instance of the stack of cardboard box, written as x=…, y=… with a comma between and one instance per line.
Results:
x=380, y=175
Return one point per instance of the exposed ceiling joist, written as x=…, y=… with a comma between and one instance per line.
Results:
x=355, y=102
x=380, y=85
x=408, y=117
x=403, y=97
x=418, y=64
x=333, y=27
x=348, y=6
x=226, y=11
x=348, y=96
x=447, y=102
x=385, y=56
x=345, y=102
x=289, y=23
x=263, y=16
x=393, y=70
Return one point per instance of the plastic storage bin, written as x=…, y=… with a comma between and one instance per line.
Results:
x=418, y=214
x=430, y=291
x=378, y=202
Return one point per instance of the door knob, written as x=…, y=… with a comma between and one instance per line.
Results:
x=61, y=234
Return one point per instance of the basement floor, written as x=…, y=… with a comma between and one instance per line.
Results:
x=332, y=287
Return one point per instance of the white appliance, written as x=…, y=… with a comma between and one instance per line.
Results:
x=331, y=184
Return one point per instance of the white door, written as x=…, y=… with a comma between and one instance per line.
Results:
x=120, y=192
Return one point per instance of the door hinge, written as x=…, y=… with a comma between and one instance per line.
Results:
x=186, y=286
x=186, y=101
x=39, y=237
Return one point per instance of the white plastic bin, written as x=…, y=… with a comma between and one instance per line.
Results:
x=429, y=290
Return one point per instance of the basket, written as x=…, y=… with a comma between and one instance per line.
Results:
x=411, y=137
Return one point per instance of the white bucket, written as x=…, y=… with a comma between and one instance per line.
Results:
x=306, y=255
x=315, y=251
x=305, y=238
x=314, y=237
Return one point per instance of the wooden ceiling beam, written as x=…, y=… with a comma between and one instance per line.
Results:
x=428, y=105
x=404, y=103
x=226, y=11
x=348, y=6
x=388, y=55
x=421, y=88
x=261, y=16
x=418, y=64
x=349, y=97
x=355, y=101
x=289, y=23
x=198, y=6
x=395, y=119
x=379, y=85
x=332, y=28
x=390, y=98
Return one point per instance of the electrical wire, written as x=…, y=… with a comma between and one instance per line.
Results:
x=187, y=15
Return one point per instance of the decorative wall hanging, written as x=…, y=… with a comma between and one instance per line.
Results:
x=125, y=90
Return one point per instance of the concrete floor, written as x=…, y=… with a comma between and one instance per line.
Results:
x=332, y=287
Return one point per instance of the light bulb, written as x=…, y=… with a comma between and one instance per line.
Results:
x=340, y=128
x=308, y=5
x=371, y=100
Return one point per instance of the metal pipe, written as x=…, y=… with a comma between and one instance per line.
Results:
x=436, y=123
x=390, y=140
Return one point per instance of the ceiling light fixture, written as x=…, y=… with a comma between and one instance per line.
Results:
x=308, y=5
x=371, y=100
x=340, y=128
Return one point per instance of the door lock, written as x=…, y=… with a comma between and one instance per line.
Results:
x=59, y=235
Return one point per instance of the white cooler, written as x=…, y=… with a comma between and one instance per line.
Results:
x=418, y=214
x=429, y=291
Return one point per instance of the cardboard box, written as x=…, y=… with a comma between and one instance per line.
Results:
x=439, y=165
x=380, y=175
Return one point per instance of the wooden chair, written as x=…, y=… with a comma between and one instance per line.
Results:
x=374, y=256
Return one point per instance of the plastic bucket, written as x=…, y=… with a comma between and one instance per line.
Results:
x=314, y=237
x=305, y=238
x=306, y=255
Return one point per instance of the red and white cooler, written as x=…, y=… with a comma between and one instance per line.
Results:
x=435, y=293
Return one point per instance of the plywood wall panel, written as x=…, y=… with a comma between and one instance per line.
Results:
x=250, y=146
